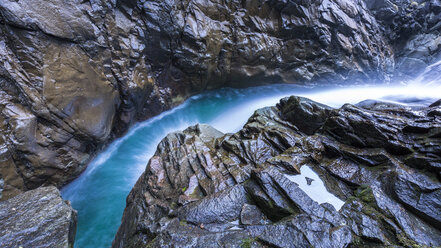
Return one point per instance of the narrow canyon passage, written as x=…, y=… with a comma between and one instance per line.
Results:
x=220, y=123
x=99, y=194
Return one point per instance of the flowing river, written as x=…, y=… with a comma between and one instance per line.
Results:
x=99, y=194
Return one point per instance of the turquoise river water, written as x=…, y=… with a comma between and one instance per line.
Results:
x=99, y=194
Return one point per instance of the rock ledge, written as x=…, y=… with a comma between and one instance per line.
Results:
x=37, y=218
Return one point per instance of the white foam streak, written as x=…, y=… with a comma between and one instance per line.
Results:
x=149, y=150
x=398, y=94
x=105, y=155
x=234, y=119
x=430, y=76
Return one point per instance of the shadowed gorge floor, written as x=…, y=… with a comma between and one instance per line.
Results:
x=112, y=174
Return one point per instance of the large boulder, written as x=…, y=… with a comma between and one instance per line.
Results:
x=37, y=218
x=378, y=164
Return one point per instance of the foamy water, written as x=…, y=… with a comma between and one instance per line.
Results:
x=99, y=193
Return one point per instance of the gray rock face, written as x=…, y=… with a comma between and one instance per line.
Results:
x=2, y=184
x=75, y=74
x=207, y=189
x=293, y=41
x=67, y=22
x=37, y=218
x=414, y=29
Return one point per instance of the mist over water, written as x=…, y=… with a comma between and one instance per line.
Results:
x=99, y=194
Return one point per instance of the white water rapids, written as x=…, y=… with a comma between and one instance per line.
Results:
x=99, y=193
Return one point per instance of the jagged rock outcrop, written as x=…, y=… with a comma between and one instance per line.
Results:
x=75, y=74
x=414, y=30
x=203, y=188
x=37, y=218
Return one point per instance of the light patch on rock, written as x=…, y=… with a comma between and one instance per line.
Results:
x=316, y=188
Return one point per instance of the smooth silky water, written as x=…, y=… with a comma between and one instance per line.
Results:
x=99, y=194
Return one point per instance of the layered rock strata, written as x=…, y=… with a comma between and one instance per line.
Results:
x=75, y=74
x=37, y=218
x=203, y=188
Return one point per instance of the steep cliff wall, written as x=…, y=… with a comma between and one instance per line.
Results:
x=75, y=74
x=413, y=28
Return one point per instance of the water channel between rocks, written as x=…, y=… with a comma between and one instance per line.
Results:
x=99, y=194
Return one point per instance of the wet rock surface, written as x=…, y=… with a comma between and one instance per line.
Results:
x=203, y=188
x=414, y=29
x=37, y=218
x=74, y=75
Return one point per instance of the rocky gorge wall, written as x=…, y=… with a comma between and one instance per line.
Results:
x=413, y=29
x=203, y=188
x=75, y=74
